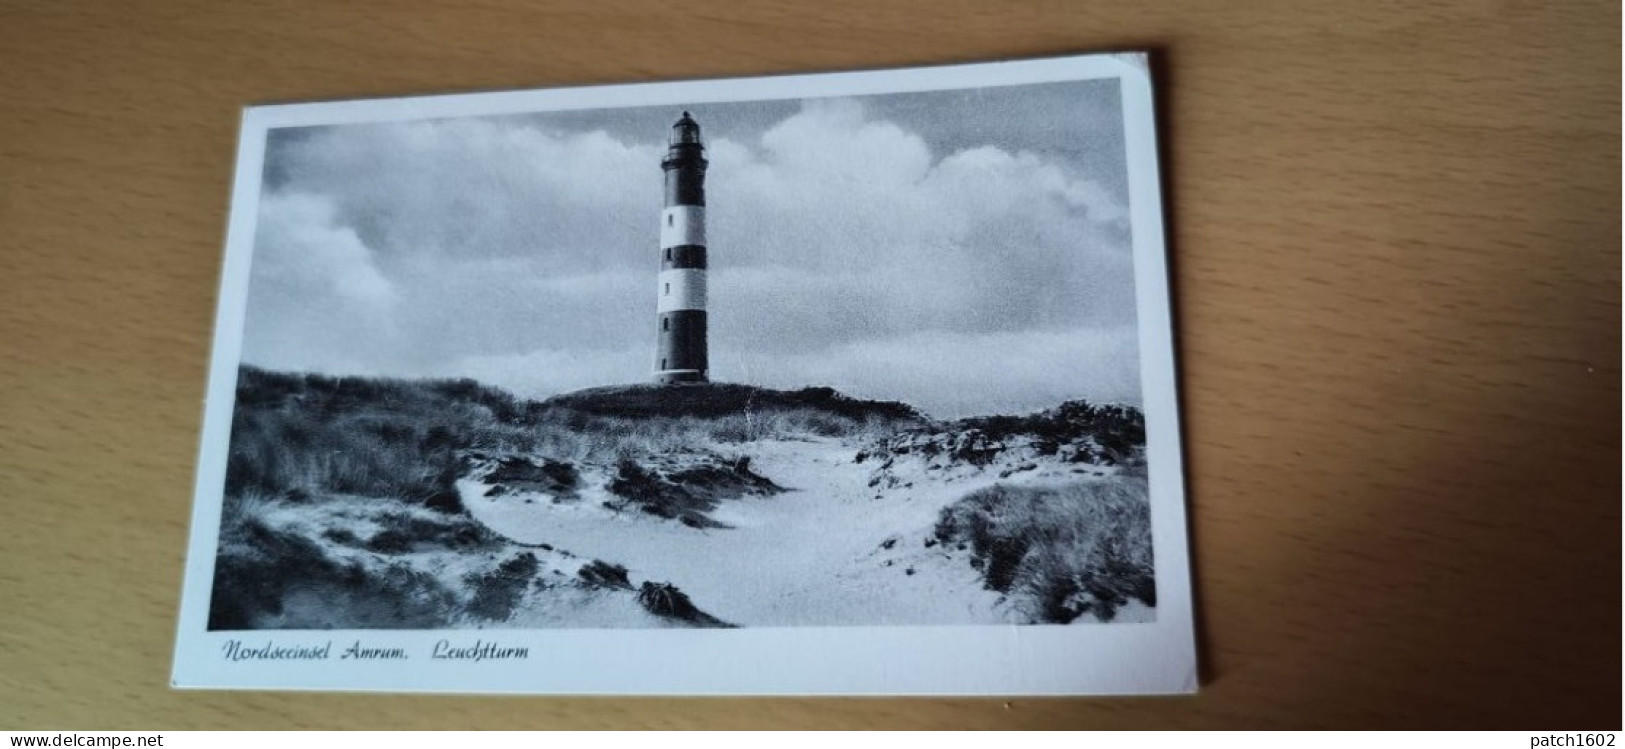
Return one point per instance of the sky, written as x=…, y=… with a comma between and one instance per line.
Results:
x=966, y=252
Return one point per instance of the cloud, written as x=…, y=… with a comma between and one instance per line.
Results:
x=837, y=209
x=466, y=189
x=316, y=299
x=842, y=247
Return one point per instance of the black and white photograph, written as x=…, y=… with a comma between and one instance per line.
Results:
x=863, y=352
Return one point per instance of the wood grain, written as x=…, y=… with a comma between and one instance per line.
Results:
x=1396, y=258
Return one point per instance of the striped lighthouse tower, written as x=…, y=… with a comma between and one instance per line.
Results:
x=681, y=354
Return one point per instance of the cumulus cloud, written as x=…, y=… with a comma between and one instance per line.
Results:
x=856, y=216
x=316, y=299
x=846, y=250
x=467, y=189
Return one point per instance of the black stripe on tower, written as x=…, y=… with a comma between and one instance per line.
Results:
x=682, y=346
x=685, y=181
x=683, y=256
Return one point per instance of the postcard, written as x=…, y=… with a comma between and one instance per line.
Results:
x=855, y=383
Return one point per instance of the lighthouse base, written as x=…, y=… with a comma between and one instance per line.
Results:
x=679, y=376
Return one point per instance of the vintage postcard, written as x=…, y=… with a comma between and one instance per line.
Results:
x=857, y=383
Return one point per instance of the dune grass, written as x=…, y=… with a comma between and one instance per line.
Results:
x=268, y=576
x=388, y=450
x=305, y=434
x=398, y=447
x=1059, y=552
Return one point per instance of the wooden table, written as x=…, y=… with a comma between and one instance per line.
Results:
x=1396, y=249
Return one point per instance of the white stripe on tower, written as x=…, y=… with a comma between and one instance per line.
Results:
x=682, y=224
x=682, y=288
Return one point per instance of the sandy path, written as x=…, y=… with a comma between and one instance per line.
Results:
x=810, y=556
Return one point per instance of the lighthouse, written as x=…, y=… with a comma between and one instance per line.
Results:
x=680, y=355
